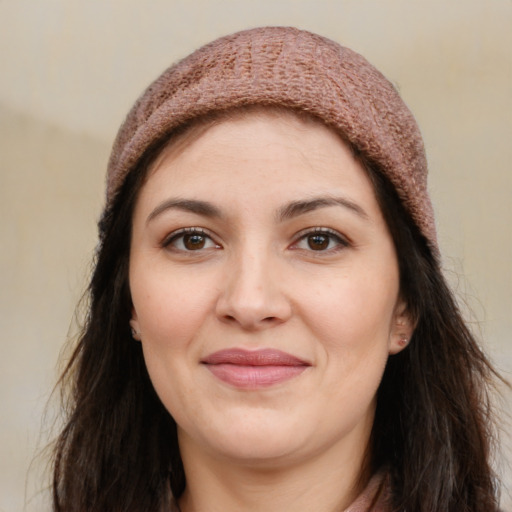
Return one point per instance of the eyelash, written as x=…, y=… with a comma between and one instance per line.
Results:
x=180, y=234
x=330, y=235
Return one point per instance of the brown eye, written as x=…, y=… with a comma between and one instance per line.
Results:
x=194, y=242
x=321, y=240
x=189, y=240
x=318, y=241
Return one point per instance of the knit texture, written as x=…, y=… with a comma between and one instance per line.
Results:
x=283, y=66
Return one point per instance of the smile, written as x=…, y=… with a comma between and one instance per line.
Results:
x=254, y=369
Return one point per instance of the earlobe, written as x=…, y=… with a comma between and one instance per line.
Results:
x=399, y=341
x=134, y=325
x=402, y=331
x=398, y=345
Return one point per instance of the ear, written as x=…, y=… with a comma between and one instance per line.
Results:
x=134, y=324
x=402, y=329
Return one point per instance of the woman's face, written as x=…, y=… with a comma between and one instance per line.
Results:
x=265, y=290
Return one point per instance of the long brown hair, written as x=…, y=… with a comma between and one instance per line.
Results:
x=433, y=428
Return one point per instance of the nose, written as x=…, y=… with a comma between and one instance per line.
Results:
x=252, y=294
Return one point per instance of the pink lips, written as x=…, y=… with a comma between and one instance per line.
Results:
x=254, y=369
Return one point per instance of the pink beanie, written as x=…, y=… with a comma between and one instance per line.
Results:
x=292, y=68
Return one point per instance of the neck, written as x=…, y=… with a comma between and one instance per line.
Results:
x=325, y=482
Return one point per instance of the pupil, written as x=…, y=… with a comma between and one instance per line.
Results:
x=318, y=242
x=193, y=242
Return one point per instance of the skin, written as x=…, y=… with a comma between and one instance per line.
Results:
x=257, y=278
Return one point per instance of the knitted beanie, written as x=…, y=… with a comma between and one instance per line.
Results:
x=287, y=67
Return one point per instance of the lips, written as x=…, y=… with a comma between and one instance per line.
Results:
x=254, y=369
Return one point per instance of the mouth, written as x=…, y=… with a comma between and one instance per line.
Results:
x=253, y=369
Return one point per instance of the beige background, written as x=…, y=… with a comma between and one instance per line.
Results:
x=70, y=69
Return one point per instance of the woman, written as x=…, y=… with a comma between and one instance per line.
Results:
x=269, y=328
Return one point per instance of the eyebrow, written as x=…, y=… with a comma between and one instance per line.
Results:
x=187, y=205
x=288, y=211
x=296, y=208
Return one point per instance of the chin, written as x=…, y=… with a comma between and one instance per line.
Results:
x=257, y=440
x=260, y=449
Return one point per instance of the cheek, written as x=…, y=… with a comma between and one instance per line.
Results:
x=352, y=320
x=350, y=311
x=353, y=330
x=169, y=311
x=170, y=316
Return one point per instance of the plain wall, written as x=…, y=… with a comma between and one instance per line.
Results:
x=71, y=70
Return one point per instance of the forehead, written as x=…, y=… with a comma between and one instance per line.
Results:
x=195, y=129
x=258, y=153
x=250, y=127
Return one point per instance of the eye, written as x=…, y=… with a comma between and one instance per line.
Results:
x=320, y=240
x=190, y=239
